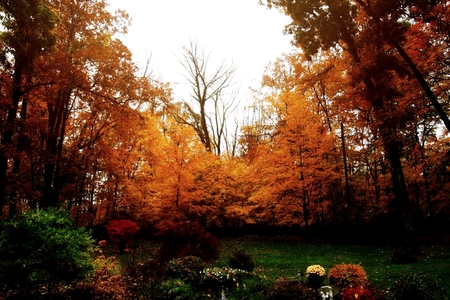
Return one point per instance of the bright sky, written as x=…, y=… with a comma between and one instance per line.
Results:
x=241, y=31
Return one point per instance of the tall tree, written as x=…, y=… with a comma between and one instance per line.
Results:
x=28, y=31
x=212, y=100
x=367, y=38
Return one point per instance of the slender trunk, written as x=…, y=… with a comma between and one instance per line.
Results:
x=344, y=156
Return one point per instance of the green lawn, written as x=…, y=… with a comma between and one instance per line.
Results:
x=278, y=258
x=284, y=257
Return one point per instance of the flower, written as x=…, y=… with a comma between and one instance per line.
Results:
x=315, y=270
x=102, y=243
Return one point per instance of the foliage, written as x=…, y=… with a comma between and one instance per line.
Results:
x=174, y=289
x=252, y=287
x=188, y=269
x=241, y=260
x=416, y=286
x=359, y=292
x=42, y=247
x=344, y=275
x=187, y=239
x=122, y=232
x=290, y=290
x=216, y=279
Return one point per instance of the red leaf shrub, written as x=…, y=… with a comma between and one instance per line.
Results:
x=359, y=293
x=122, y=232
x=345, y=275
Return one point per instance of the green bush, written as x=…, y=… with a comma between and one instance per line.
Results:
x=416, y=286
x=174, y=289
x=241, y=260
x=187, y=268
x=252, y=288
x=42, y=248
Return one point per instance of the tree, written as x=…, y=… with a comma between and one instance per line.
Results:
x=79, y=106
x=367, y=34
x=211, y=104
x=297, y=169
x=28, y=32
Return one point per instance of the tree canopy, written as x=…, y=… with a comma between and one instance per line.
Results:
x=349, y=129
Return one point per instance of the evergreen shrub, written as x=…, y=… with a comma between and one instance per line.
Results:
x=42, y=248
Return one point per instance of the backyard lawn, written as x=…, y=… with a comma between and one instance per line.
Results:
x=287, y=258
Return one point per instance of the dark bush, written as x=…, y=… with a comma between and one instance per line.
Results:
x=188, y=268
x=416, y=286
x=242, y=260
x=291, y=290
x=187, y=239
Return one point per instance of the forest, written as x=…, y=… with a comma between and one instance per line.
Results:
x=346, y=138
x=351, y=129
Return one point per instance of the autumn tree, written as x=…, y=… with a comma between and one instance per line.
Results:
x=372, y=34
x=297, y=167
x=27, y=33
x=212, y=99
x=84, y=108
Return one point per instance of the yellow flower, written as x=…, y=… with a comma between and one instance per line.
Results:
x=316, y=270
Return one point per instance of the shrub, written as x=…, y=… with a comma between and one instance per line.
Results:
x=252, y=287
x=290, y=290
x=188, y=269
x=187, y=239
x=174, y=289
x=242, y=260
x=122, y=232
x=345, y=275
x=42, y=247
x=416, y=286
x=216, y=279
x=359, y=293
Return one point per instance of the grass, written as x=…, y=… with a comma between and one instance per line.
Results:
x=286, y=257
x=276, y=258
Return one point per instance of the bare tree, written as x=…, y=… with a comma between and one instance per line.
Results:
x=212, y=99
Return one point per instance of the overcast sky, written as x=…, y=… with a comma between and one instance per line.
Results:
x=241, y=31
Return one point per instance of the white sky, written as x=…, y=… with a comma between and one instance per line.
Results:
x=241, y=31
